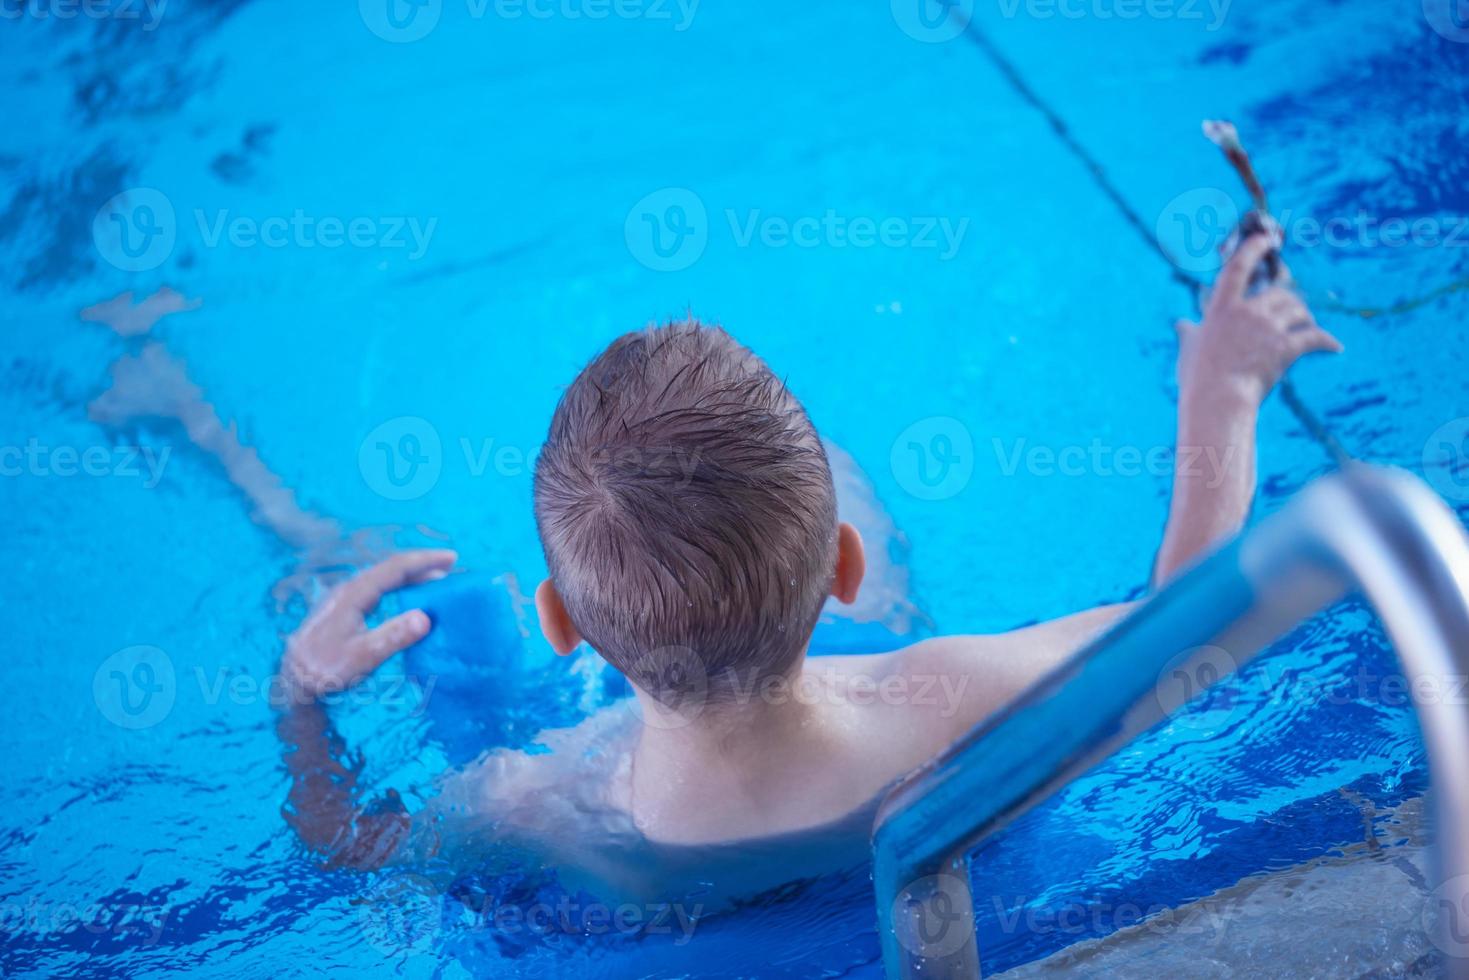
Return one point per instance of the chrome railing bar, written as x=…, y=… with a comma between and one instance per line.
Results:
x=1381, y=531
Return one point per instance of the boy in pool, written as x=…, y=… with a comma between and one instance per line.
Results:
x=703, y=589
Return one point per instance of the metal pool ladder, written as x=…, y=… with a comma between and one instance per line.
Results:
x=1377, y=531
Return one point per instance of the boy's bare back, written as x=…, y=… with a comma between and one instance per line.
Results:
x=686, y=507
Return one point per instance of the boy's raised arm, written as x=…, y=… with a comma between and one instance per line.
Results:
x=1226, y=367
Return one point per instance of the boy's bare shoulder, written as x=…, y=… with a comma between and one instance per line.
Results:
x=1023, y=648
x=998, y=655
x=957, y=681
x=590, y=755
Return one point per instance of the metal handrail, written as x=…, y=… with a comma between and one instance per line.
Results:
x=1379, y=531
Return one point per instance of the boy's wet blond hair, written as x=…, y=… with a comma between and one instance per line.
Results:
x=687, y=511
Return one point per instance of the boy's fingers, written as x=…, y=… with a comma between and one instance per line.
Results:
x=1317, y=339
x=1285, y=305
x=377, y=645
x=405, y=568
x=1186, y=331
x=1235, y=278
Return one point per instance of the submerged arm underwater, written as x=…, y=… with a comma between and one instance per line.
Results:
x=333, y=650
x=323, y=807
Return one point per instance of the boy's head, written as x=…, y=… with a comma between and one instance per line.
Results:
x=686, y=507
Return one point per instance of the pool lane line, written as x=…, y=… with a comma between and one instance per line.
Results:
x=1314, y=426
x=1401, y=306
x=1288, y=393
x=1092, y=164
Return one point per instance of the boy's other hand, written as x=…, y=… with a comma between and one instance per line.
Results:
x=333, y=649
x=1246, y=343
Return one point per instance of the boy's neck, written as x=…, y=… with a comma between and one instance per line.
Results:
x=727, y=728
x=740, y=754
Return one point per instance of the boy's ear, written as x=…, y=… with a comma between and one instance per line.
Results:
x=555, y=623
x=851, y=564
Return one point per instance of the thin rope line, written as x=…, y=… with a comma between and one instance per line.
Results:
x=1307, y=418
x=1401, y=306
x=1093, y=166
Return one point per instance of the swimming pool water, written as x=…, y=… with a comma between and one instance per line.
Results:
x=506, y=168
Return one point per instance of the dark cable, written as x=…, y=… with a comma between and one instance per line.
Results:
x=1308, y=419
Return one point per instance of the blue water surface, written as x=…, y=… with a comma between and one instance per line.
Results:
x=528, y=181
